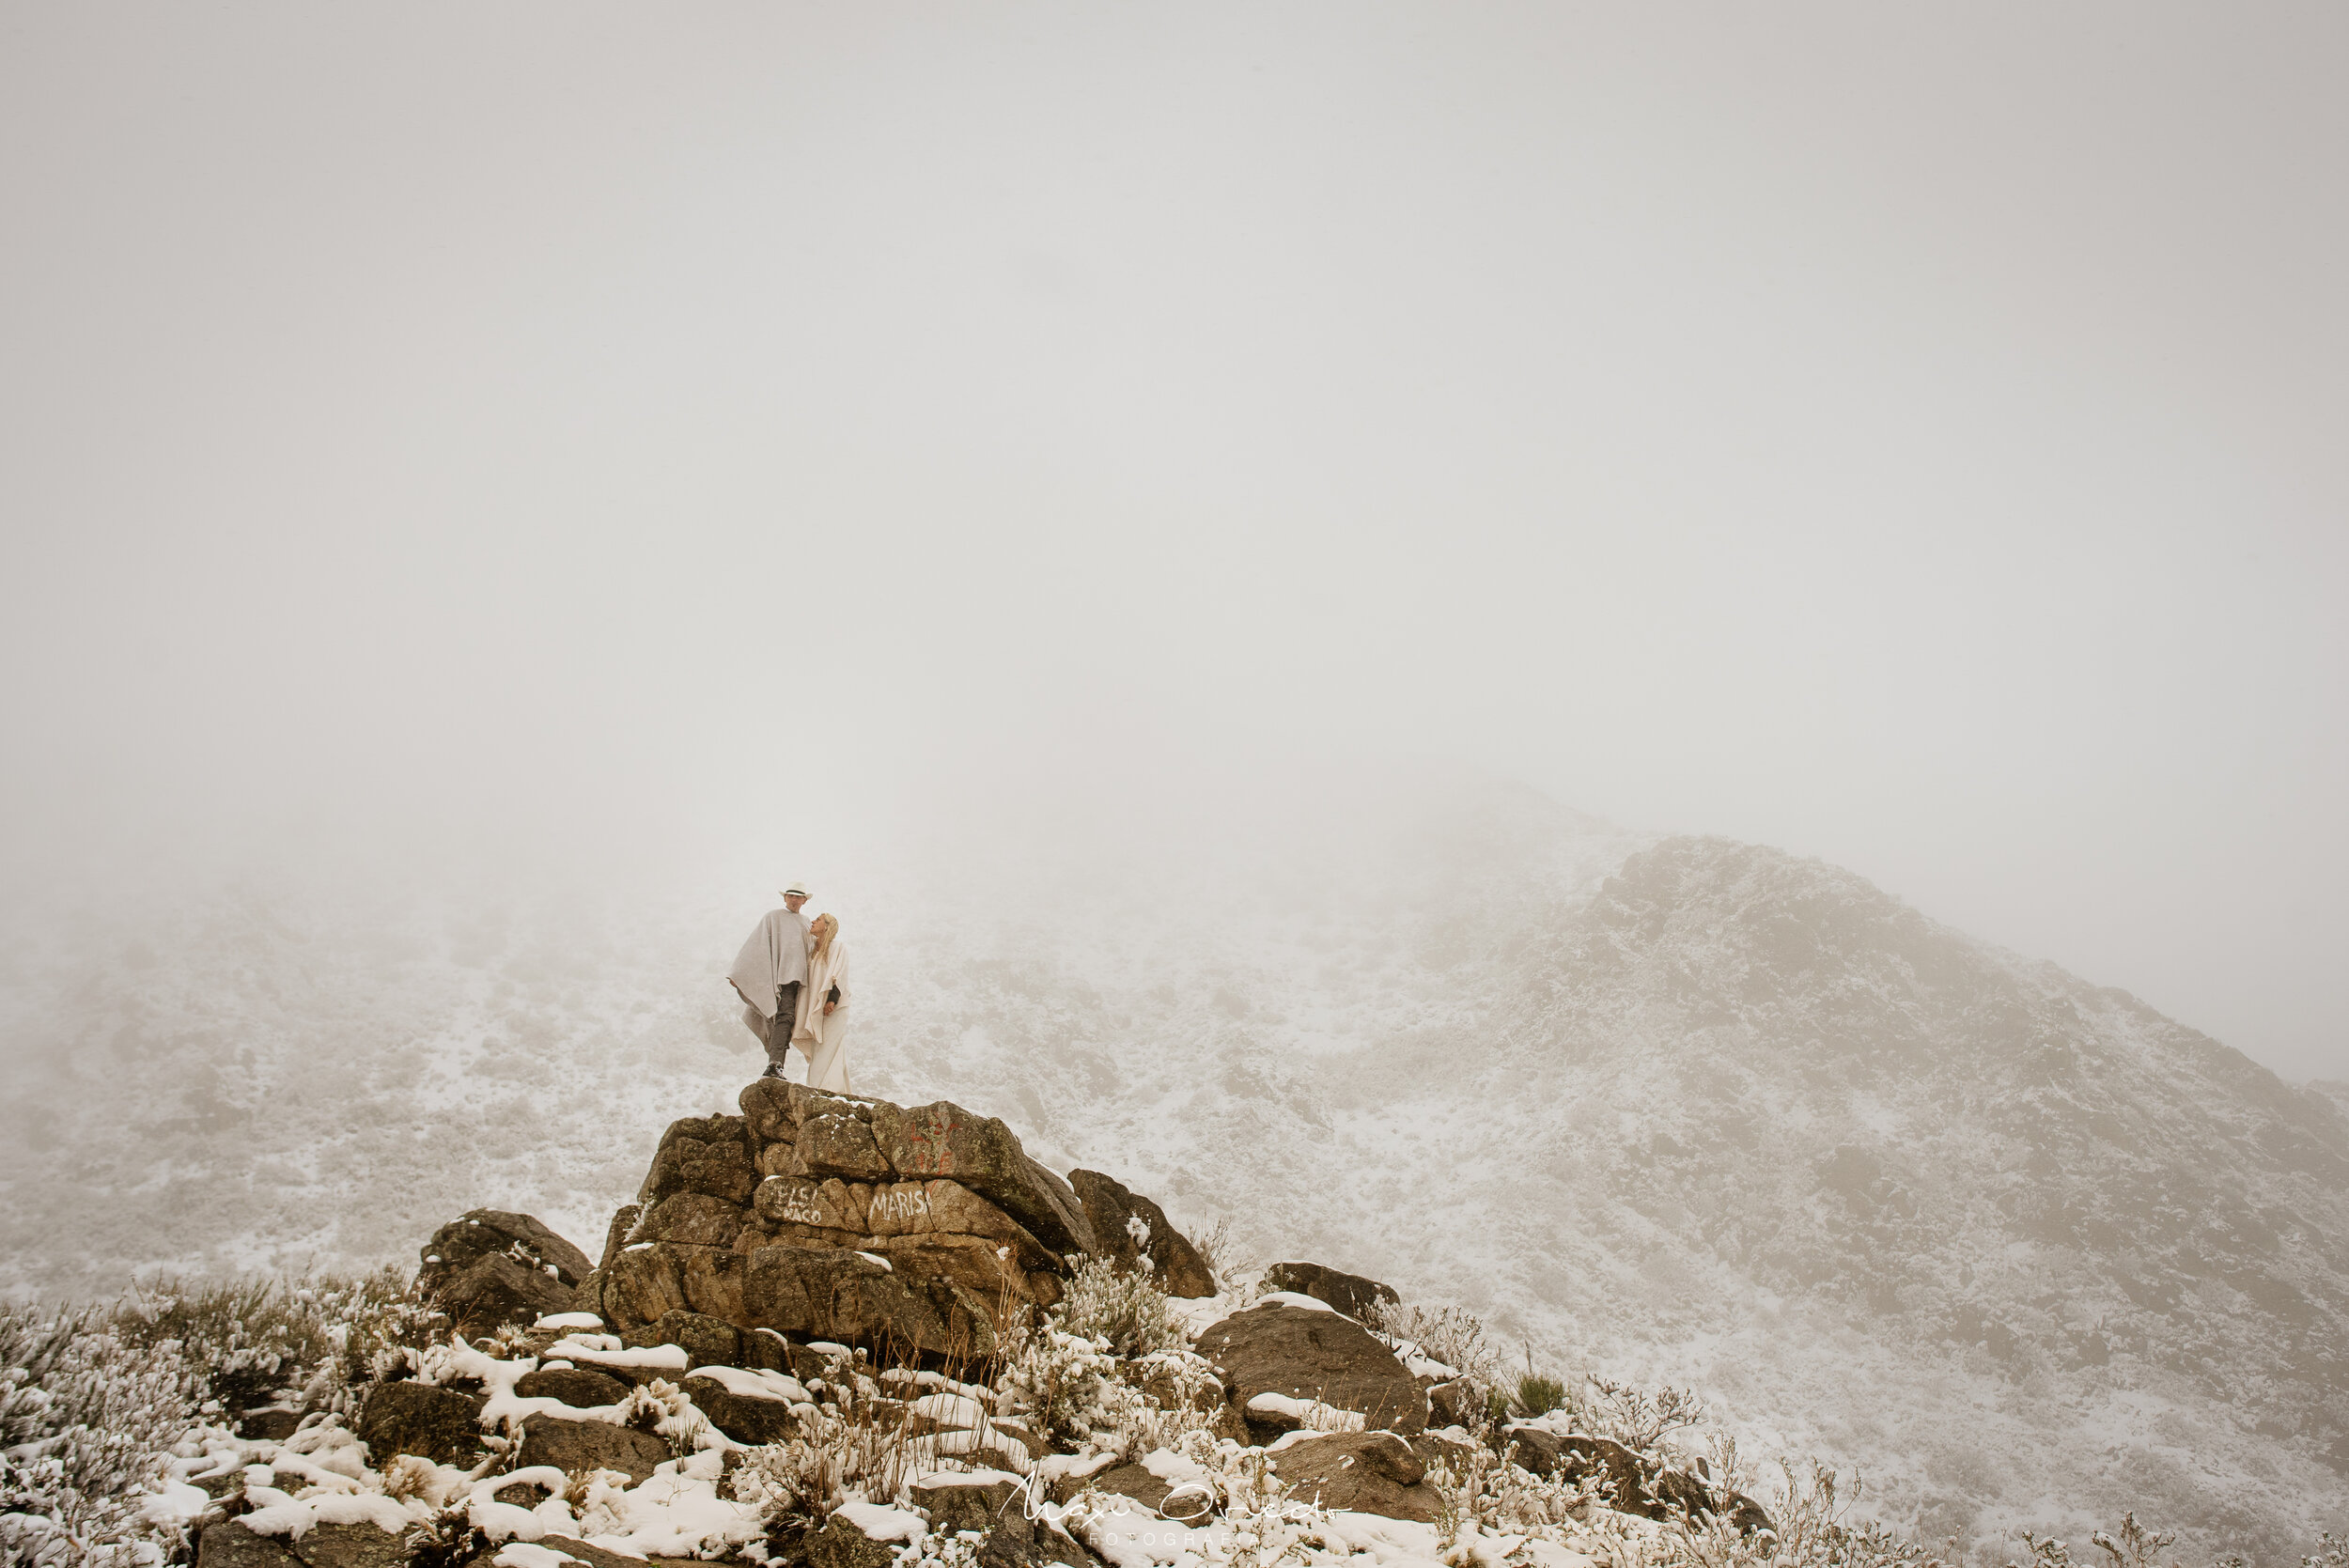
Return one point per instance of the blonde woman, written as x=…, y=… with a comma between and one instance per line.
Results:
x=822, y=1030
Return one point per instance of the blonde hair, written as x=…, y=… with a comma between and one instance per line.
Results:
x=825, y=927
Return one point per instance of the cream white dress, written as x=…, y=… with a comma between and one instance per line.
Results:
x=825, y=1037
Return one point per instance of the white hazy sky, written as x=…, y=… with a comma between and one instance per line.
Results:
x=1912, y=436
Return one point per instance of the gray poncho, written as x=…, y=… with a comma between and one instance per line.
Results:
x=775, y=956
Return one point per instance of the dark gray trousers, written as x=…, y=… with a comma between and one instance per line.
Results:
x=786, y=1013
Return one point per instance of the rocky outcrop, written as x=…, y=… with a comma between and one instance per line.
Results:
x=490, y=1267
x=1134, y=1232
x=918, y=1230
x=1303, y=1353
x=1348, y=1292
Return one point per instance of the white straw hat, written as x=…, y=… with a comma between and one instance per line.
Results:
x=797, y=889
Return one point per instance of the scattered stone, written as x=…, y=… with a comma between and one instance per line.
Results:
x=230, y=1545
x=841, y=1545
x=271, y=1423
x=1126, y=1481
x=707, y=1341
x=1370, y=1472
x=439, y=1425
x=349, y=1546
x=1452, y=1403
x=995, y=1512
x=580, y=1387
x=496, y=1290
x=481, y=1232
x=965, y=1505
x=595, y=1557
x=1130, y=1228
x=1306, y=1354
x=744, y=1418
x=1348, y=1292
x=591, y=1446
x=1633, y=1485
x=1747, y=1516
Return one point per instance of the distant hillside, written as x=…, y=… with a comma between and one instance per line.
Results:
x=1688, y=1111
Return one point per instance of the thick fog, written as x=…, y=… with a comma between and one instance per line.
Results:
x=452, y=445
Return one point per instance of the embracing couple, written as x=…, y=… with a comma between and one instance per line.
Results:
x=793, y=978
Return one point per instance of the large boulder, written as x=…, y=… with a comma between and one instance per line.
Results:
x=943, y=1140
x=1348, y=1292
x=1307, y=1354
x=922, y=1230
x=573, y=1446
x=490, y=1267
x=819, y=1294
x=1130, y=1230
x=1369, y=1472
x=439, y=1425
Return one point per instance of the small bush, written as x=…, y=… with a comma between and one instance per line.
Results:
x=1452, y=1335
x=1126, y=1310
x=1638, y=1420
x=1065, y=1383
x=1537, y=1395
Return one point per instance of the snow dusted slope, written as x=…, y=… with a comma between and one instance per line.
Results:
x=1689, y=1111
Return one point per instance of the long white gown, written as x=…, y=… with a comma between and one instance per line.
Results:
x=825, y=1037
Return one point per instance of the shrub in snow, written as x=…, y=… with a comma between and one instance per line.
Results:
x=249, y=1338
x=1452, y=1335
x=1126, y=1312
x=449, y=1539
x=1638, y=1420
x=1537, y=1395
x=666, y=1411
x=85, y=1416
x=1067, y=1384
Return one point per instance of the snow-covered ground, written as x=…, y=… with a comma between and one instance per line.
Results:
x=2021, y=1250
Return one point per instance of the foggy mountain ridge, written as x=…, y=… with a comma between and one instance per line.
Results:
x=1679, y=1110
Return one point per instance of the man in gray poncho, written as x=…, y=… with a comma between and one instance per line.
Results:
x=768, y=974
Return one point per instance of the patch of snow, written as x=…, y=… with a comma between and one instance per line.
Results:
x=756, y=1383
x=885, y=1524
x=522, y=1554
